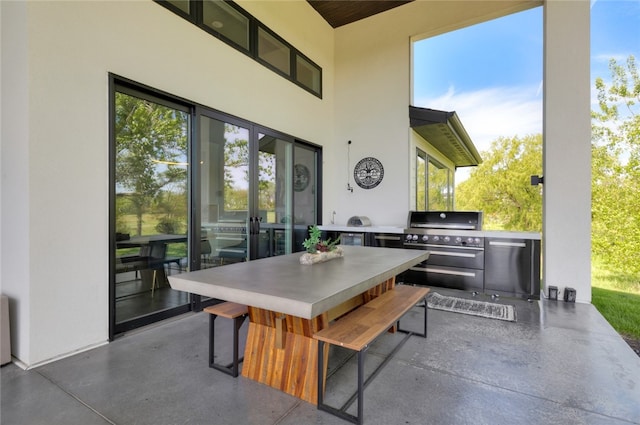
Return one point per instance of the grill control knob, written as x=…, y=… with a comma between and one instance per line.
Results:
x=436, y=238
x=425, y=238
x=408, y=237
x=414, y=237
x=469, y=240
x=458, y=239
x=477, y=240
x=447, y=238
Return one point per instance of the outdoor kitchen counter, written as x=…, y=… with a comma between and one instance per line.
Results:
x=400, y=230
x=288, y=302
x=361, y=229
x=506, y=234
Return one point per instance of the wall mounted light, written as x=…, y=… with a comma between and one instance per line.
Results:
x=537, y=180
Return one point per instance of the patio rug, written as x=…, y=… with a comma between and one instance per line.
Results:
x=472, y=307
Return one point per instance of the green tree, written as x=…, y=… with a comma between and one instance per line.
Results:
x=500, y=186
x=616, y=169
x=150, y=140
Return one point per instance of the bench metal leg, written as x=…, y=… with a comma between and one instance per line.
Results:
x=424, y=332
x=232, y=368
x=362, y=384
x=342, y=412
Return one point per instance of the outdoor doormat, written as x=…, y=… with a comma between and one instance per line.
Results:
x=472, y=307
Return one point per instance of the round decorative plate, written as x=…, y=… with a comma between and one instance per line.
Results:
x=301, y=177
x=368, y=172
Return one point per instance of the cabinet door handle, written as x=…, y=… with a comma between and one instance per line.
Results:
x=387, y=238
x=453, y=254
x=513, y=244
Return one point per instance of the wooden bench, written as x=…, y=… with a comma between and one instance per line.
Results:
x=238, y=313
x=357, y=329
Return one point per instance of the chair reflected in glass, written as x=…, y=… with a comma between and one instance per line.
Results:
x=207, y=260
x=156, y=261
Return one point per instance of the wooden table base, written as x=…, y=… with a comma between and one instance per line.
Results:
x=281, y=352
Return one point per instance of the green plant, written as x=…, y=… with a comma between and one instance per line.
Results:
x=616, y=294
x=313, y=243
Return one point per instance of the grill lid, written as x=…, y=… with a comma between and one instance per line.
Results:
x=455, y=220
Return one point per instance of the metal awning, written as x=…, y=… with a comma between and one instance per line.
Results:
x=446, y=133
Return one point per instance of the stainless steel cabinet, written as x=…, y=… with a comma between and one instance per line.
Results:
x=512, y=267
x=387, y=240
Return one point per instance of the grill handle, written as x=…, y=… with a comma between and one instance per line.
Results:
x=442, y=271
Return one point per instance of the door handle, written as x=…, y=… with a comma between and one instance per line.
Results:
x=254, y=225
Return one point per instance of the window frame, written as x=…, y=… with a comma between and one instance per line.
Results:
x=429, y=159
x=196, y=17
x=132, y=88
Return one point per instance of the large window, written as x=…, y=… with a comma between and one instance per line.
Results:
x=194, y=188
x=434, y=184
x=150, y=174
x=230, y=23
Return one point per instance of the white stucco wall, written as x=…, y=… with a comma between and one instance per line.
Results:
x=14, y=167
x=567, y=148
x=373, y=93
x=56, y=60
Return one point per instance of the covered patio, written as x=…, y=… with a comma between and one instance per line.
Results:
x=559, y=363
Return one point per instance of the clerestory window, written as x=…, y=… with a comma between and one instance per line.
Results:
x=231, y=24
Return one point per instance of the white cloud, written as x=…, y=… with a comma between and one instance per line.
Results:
x=490, y=113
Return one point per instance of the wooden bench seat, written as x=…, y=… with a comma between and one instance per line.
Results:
x=357, y=329
x=238, y=313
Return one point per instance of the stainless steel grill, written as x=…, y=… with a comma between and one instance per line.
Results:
x=456, y=245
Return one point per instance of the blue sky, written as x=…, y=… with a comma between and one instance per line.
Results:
x=491, y=73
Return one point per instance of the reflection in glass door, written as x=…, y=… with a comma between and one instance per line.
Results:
x=275, y=214
x=150, y=211
x=305, y=192
x=224, y=192
x=167, y=216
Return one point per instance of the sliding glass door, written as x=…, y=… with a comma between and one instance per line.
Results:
x=193, y=188
x=245, y=178
x=224, y=192
x=274, y=196
x=150, y=212
x=306, y=191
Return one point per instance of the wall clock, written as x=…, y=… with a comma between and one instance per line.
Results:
x=301, y=177
x=368, y=172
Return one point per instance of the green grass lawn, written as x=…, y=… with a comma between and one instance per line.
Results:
x=617, y=298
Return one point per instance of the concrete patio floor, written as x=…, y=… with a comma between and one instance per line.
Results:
x=560, y=363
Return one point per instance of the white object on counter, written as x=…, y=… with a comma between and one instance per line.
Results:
x=359, y=221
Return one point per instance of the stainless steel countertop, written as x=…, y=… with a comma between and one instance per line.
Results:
x=284, y=285
x=363, y=229
x=400, y=230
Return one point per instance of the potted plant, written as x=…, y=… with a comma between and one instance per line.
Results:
x=318, y=250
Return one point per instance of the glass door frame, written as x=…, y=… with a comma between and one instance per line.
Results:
x=123, y=85
x=253, y=212
x=195, y=303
